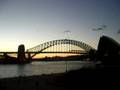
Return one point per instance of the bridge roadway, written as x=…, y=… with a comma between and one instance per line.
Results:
x=43, y=52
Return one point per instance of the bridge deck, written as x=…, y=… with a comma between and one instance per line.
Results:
x=44, y=52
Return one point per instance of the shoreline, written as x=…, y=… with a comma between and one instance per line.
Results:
x=75, y=79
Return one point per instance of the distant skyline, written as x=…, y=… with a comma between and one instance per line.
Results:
x=33, y=22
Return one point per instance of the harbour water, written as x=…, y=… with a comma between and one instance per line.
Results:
x=39, y=68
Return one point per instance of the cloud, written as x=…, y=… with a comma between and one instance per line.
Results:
x=118, y=32
x=102, y=27
x=97, y=29
x=67, y=31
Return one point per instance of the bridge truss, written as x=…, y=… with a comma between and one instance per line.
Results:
x=61, y=45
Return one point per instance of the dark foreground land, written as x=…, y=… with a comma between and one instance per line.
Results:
x=97, y=78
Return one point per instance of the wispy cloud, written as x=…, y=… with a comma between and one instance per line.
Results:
x=118, y=32
x=102, y=27
x=67, y=31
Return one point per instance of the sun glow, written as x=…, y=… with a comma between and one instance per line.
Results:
x=53, y=55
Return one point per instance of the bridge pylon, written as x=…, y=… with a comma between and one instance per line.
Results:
x=21, y=53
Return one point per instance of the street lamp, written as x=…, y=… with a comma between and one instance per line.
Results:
x=67, y=32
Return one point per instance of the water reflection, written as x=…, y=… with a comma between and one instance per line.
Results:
x=20, y=70
x=38, y=68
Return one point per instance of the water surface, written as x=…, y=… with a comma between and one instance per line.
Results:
x=38, y=68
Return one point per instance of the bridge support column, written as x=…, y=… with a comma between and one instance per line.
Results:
x=21, y=53
x=29, y=56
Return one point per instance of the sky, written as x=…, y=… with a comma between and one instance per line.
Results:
x=33, y=22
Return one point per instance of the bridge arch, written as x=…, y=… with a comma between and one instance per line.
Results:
x=41, y=47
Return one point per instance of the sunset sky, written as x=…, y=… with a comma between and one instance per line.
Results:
x=32, y=22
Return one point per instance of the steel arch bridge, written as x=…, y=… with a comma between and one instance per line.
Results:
x=41, y=47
